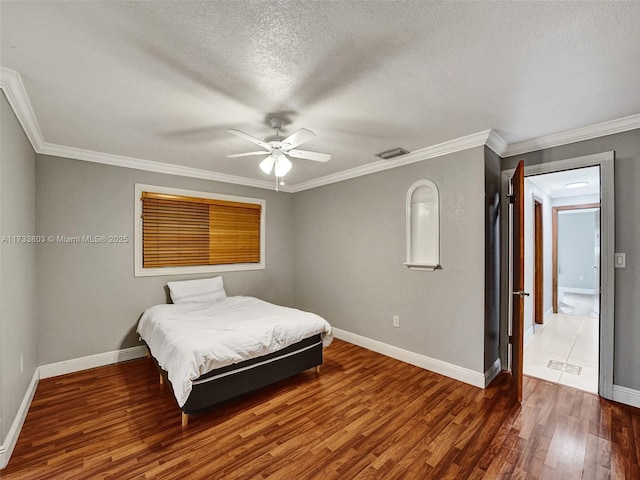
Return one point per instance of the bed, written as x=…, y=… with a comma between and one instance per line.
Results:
x=210, y=348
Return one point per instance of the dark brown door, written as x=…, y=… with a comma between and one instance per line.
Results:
x=517, y=313
x=538, y=264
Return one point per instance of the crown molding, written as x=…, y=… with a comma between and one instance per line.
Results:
x=581, y=134
x=13, y=87
x=11, y=84
x=496, y=143
x=445, y=148
x=152, y=166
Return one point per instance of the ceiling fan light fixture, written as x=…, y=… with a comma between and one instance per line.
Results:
x=266, y=165
x=283, y=165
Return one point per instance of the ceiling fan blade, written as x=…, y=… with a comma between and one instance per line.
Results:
x=248, y=154
x=246, y=136
x=317, y=156
x=297, y=138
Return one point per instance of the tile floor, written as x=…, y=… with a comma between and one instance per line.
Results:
x=565, y=349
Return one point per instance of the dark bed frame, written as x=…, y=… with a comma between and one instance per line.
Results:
x=231, y=381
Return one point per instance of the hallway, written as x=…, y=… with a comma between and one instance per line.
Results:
x=565, y=349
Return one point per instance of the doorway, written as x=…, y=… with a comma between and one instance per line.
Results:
x=602, y=294
x=562, y=337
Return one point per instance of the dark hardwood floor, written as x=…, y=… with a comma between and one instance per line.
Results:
x=366, y=416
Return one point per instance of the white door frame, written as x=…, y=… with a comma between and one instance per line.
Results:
x=605, y=161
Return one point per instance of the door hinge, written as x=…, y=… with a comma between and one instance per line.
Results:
x=511, y=339
x=511, y=198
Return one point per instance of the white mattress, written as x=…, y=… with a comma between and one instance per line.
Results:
x=189, y=340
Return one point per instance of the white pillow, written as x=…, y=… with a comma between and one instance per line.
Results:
x=206, y=290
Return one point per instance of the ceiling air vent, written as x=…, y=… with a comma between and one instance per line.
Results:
x=394, y=152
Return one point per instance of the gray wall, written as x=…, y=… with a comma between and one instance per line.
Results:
x=88, y=299
x=492, y=258
x=18, y=333
x=627, y=238
x=349, y=251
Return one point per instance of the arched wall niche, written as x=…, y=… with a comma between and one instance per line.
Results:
x=423, y=226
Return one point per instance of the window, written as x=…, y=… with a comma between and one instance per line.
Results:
x=182, y=231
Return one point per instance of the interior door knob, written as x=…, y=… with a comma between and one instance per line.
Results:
x=521, y=293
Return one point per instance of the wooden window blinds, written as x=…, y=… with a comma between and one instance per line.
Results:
x=182, y=231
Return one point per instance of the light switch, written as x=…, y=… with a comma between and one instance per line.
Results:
x=620, y=260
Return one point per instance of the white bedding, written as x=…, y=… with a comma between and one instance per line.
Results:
x=189, y=340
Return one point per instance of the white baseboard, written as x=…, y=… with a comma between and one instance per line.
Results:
x=493, y=372
x=528, y=335
x=92, y=361
x=547, y=314
x=6, y=449
x=450, y=370
x=625, y=395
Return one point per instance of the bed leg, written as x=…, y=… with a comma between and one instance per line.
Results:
x=148, y=353
x=185, y=419
x=317, y=370
x=161, y=379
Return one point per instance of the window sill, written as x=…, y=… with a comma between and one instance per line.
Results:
x=237, y=267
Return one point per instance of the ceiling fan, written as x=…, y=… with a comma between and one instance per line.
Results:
x=280, y=148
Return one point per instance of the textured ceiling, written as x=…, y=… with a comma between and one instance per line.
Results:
x=555, y=184
x=162, y=81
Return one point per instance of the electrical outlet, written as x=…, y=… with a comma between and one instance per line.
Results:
x=396, y=321
x=21, y=363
